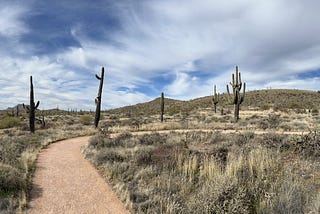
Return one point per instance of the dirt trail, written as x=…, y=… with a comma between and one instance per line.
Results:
x=65, y=182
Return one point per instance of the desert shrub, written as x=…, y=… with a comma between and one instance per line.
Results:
x=124, y=139
x=315, y=111
x=265, y=107
x=272, y=122
x=308, y=145
x=152, y=139
x=217, y=137
x=143, y=156
x=11, y=180
x=315, y=203
x=107, y=155
x=289, y=196
x=223, y=195
x=271, y=140
x=244, y=138
x=103, y=141
x=295, y=105
x=85, y=119
x=9, y=122
x=8, y=205
x=285, y=127
x=263, y=124
x=11, y=149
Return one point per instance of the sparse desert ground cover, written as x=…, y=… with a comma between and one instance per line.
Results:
x=268, y=162
x=201, y=172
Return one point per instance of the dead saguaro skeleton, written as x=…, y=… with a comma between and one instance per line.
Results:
x=98, y=99
x=31, y=108
x=237, y=97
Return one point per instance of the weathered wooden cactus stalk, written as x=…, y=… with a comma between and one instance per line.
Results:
x=215, y=99
x=162, y=106
x=32, y=108
x=98, y=99
x=237, y=97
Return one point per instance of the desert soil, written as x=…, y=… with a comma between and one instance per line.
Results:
x=65, y=182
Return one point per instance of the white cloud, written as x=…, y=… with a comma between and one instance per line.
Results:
x=11, y=22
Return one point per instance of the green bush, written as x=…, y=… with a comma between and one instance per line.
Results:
x=11, y=179
x=85, y=119
x=9, y=122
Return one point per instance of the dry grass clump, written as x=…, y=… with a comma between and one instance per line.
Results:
x=206, y=173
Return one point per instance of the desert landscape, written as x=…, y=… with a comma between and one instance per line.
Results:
x=160, y=107
x=195, y=161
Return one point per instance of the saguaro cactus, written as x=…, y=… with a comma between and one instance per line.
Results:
x=237, y=97
x=215, y=99
x=31, y=108
x=98, y=99
x=162, y=106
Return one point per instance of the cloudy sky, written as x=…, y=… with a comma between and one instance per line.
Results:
x=147, y=46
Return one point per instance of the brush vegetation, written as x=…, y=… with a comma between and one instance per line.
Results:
x=261, y=169
x=201, y=172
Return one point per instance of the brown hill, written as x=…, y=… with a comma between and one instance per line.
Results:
x=279, y=99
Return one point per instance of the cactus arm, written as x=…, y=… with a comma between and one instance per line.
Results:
x=37, y=105
x=228, y=94
x=99, y=78
x=243, y=93
x=25, y=107
x=233, y=83
x=237, y=75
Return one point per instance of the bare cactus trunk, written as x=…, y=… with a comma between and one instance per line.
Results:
x=32, y=108
x=162, y=107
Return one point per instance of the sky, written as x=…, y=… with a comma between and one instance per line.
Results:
x=179, y=47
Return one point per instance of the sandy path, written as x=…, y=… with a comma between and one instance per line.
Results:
x=65, y=182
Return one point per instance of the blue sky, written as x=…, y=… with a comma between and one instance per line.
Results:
x=149, y=46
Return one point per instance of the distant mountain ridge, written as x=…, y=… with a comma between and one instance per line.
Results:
x=263, y=99
x=20, y=108
x=270, y=98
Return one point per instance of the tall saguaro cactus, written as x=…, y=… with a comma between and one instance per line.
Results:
x=162, y=106
x=32, y=108
x=98, y=98
x=237, y=97
x=215, y=98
